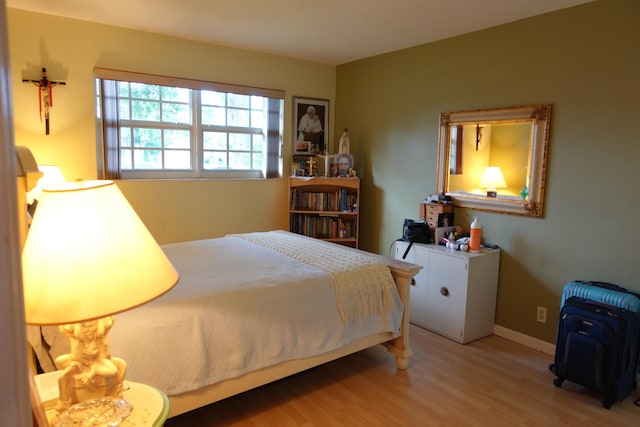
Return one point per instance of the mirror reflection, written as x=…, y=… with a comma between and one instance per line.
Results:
x=474, y=148
x=495, y=159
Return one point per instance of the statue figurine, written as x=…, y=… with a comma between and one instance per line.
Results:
x=89, y=370
x=344, y=147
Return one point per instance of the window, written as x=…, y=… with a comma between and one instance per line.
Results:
x=162, y=127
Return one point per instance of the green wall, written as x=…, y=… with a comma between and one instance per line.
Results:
x=584, y=61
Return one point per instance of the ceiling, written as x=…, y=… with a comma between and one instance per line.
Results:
x=327, y=31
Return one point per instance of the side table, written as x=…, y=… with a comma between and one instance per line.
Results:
x=150, y=404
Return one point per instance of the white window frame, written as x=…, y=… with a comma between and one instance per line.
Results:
x=110, y=124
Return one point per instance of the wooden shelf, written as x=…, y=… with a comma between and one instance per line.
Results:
x=325, y=208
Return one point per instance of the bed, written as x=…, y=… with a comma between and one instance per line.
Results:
x=253, y=308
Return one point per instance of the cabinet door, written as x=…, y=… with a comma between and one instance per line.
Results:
x=418, y=301
x=418, y=289
x=446, y=294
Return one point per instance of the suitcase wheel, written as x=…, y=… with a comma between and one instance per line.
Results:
x=558, y=382
x=552, y=368
x=607, y=403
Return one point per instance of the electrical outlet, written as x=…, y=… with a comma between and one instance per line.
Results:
x=541, y=314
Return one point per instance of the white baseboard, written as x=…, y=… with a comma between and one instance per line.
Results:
x=525, y=340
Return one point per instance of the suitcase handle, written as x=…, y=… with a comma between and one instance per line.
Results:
x=605, y=285
x=598, y=307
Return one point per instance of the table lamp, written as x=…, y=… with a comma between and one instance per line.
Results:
x=492, y=179
x=88, y=256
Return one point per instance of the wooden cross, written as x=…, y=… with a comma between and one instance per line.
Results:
x=45, y=95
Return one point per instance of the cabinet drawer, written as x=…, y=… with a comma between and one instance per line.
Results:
x=436, y=209
x=432, y=217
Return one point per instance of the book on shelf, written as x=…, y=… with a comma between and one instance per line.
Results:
x=338, y=201
x=322, y=226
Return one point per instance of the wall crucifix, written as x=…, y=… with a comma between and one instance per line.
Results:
x=45, y=95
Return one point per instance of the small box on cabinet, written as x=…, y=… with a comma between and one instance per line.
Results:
x=436, y=215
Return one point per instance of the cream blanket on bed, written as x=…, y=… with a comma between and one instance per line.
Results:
x=361, y=284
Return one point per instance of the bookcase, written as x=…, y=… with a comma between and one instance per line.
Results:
x=325, y=208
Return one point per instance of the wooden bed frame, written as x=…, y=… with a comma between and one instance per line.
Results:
x=398, y=344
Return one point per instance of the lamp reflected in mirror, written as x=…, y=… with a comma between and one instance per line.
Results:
x=492, y=179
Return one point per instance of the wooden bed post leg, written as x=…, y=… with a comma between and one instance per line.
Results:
x=400, y=346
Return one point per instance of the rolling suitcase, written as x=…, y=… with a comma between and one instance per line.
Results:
x=608, y=293
x=597, y=347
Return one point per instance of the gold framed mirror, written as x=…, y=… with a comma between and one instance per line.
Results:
x=513, y=141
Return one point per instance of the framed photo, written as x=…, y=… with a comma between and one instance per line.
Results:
x=301, y=161
x=342, y=165
x=445, y=219
x=310, y=125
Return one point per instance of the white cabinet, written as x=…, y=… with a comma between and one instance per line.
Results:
x=418, y=290
x=455, y=293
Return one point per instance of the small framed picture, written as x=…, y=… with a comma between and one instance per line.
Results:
x=342, y=165
x=301, y=161
x=298, y=172
x=301, y=147
x=310, y=124
x=445, y=219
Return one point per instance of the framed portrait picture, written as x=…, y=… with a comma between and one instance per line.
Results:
x=310, y=125
x=342, y=165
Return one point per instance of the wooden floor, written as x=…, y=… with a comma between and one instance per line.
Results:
x=491, y=382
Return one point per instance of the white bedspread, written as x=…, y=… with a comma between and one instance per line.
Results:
x=361, y=284
x=238, y=307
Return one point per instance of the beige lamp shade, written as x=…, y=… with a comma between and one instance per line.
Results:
x=88, y=255
x=492, y=178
